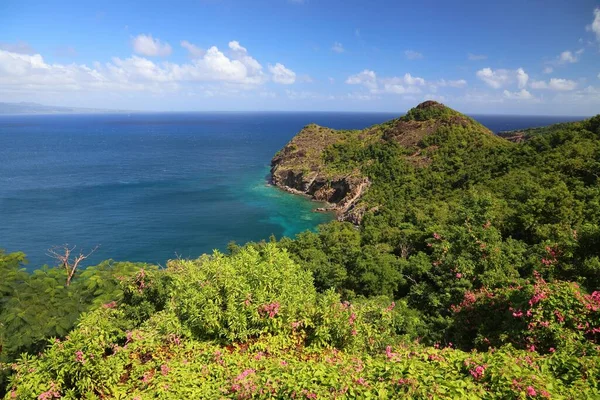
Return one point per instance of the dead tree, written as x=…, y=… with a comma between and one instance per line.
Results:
x=67, y=260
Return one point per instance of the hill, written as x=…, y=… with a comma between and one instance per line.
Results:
x=333, y=166
x=472, y=270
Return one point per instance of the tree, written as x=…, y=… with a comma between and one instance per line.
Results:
x=63, y=255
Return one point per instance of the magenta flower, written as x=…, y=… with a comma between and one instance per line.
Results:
x=478, y=372
x=79, y=357
x=531, y=391
x=271, y=309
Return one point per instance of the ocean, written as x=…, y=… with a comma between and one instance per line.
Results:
x=152, y=187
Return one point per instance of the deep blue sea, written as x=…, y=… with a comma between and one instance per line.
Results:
x=150, y=187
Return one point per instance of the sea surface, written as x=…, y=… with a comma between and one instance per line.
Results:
x=152, y=187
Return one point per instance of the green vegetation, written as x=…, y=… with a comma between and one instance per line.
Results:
x=474, y=274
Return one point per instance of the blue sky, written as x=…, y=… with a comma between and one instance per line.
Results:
x=508, y=57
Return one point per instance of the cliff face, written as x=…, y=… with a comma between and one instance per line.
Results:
x=304, y=167
x=299, y=168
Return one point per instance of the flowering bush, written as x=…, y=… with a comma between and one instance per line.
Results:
x=240, y=296
x=541, y=316
x=153, y=365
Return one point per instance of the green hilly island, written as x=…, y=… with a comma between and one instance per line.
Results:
x=462, y=265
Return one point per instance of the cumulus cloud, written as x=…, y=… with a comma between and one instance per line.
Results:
x=413, y=55
x=366, y=78
x=503, y=77
x=23, y=72
x=555, y=84
x=522, y=78
x=495, y=79
x=476, y=57
x=193, y=50
x=146, y=45
x=569, y=57
x=523, y=94
x=595, y=25
x=397, y=85
x=282, y=75
x=338, y=47
x=459, y=83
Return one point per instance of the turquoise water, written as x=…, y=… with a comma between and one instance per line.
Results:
x=150, y=187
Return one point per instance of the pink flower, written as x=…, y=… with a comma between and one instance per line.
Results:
x=112, y=304
x=354, y=333
x=164, y=369
x=437, y=236
x=51, y=393
x=531, y=348
x=271, y=309
x=79, y=357
x=244, y=374
x=361, y=381
x=518, y=314
x=458, y=275
x=391, y=307
x=388, y=352
x=551, y=349
x=352, y=319
x=478, y=372
x=531, y=391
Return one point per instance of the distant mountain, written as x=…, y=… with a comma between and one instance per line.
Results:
x=35, y=108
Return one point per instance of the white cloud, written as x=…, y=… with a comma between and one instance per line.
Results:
x=595, y=25
x=522, y=78
x=459, y=83
x=393, y=85
x=503, y=77
x=569, y=57
x=523, y=94
x=476, y=57
x=366, y=78
x=495, y=79
x=193, y=50
x=281, y=74
x=22, y=72
x=396, y=85
x=410, y=80
x=18, y=47
x=338, y=47
x=548, y=70
x=413, y=55
x=555, y=84
x=146, y=45
x=239, y=53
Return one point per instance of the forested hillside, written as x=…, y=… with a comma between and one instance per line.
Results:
x=472, y=270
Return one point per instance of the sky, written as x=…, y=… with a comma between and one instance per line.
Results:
x=487, y=57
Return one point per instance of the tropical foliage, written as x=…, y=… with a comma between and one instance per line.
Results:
x=475, y=273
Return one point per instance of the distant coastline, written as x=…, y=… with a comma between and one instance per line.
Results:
x=29, y=108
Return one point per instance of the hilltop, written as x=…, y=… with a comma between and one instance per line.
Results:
x=331, y=165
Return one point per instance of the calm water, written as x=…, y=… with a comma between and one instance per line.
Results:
x=148, y=187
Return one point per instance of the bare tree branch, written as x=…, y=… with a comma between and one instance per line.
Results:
x=63, y=255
